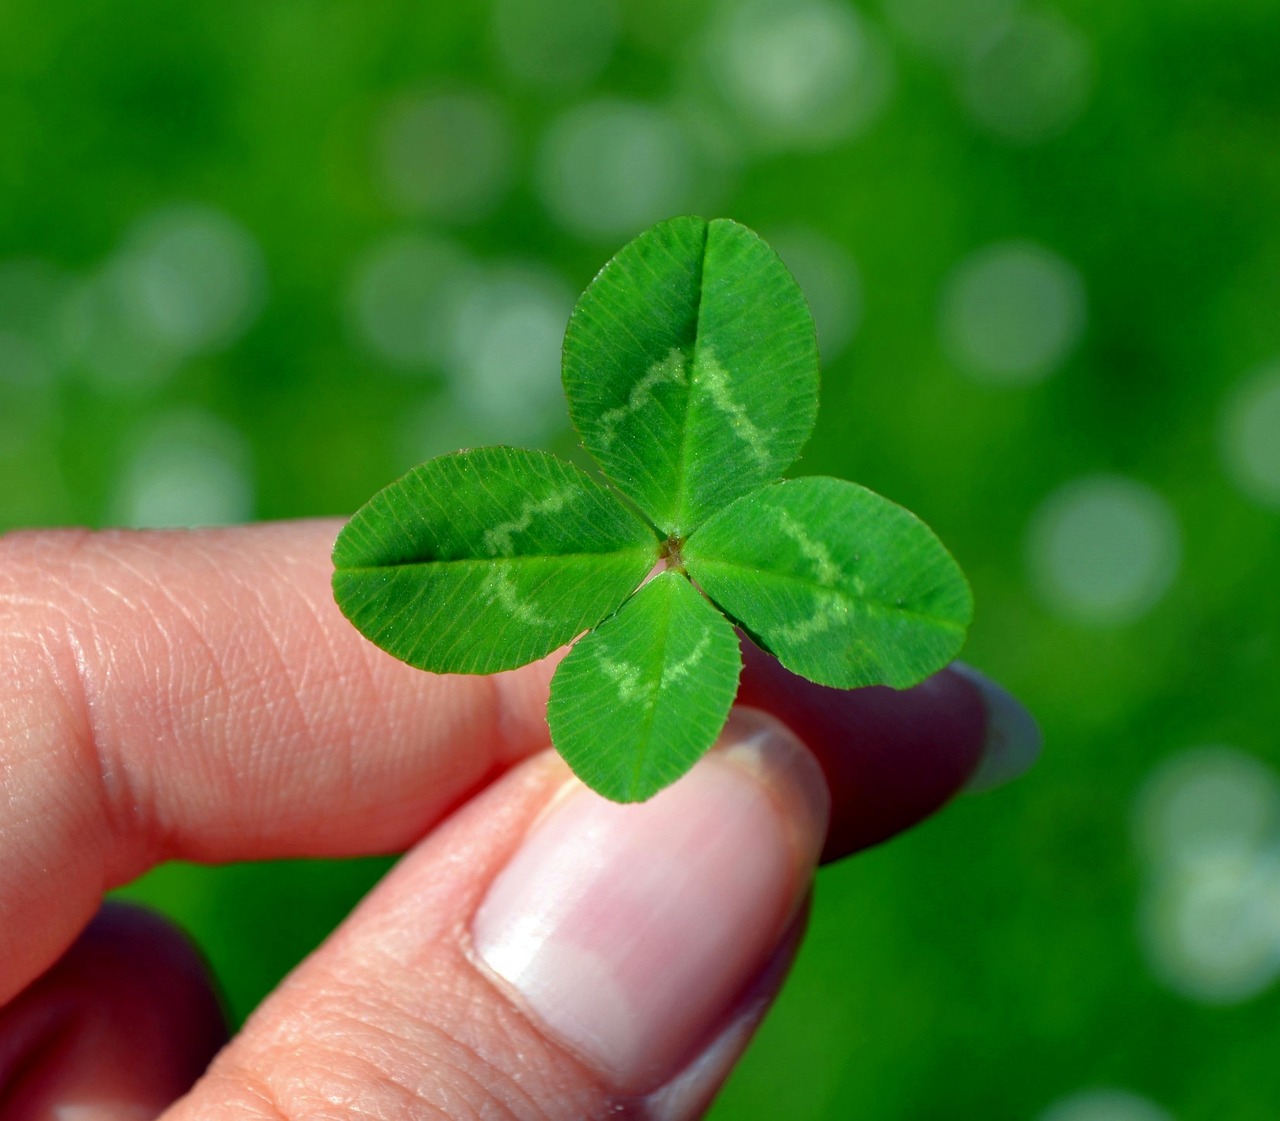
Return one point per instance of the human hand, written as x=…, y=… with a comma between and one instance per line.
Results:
x=539, y=953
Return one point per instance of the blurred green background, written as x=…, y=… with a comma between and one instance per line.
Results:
x=259, y=257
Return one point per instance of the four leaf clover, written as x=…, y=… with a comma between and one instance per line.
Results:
x=691, y=373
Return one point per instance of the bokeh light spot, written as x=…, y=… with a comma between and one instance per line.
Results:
x=1029, y=79
x=34, y=490
x=438, y=426
x=1210, y=930
x=829, y=278
x=504, y=361
x=950, y=29
x=1103, y=550
x=191, y=278
x=1250, y=436
x=400, y=299
x=31, y=296
x=186, y=469
x=803, y=74
x=23, y=364
x=1205, y=802
x=1208, y=825
x=609, y=168
x=32, y=293
x=101, y=338
x=186, y=280
x=1104, y=1104
x=554, y=43
x=1011, y=313
x=446, y=156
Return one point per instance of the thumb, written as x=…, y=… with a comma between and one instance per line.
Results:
x=547, y=954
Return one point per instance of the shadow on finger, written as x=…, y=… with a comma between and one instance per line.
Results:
x=119, y=1027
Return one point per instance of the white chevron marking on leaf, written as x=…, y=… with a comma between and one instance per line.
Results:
x=501, y=590
x=826, y=571
x=677, y=671
x=625, y=676
x=669, y=371
x=829, y=611
x=715, y=379
x=498, y=539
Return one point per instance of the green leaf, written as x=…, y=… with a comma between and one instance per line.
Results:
x=691, y=369
x=639, y=700
x=485, y=560
x=841, y=585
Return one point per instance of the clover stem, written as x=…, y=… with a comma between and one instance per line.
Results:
x=670, y=552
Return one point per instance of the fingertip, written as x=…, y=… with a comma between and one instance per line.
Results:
x=787, y=771
x=627, y=931
x=1013, y=740
x=690, y=1093
x=121, y=1026
x=890, y=757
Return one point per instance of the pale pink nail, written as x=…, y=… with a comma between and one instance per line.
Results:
x=1014, y=740
x=630, y=931
x=690, y=1093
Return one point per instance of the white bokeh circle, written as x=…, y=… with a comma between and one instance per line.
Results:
x=446, y=155
x=1104, y=1104
x=503, y=360
x=1249, y=436
x=555, y=44
x=830, y=280
x=1029, y=79
x=799, y=74
x=1011, y=313
x=402, y=296
x=190, y=277
x=184, y=469
x=609, y=168
x=1103, y=550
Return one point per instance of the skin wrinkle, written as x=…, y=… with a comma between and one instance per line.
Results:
x=360, y=1037
x=461, y=1023
x=364, y=667
x=254, y=1099
x=63, y=663
x=199, y=815
x=154, y=639
x=114, y=787
x=51, y=822
x=263, y=782
x=350, y=1077
x=489, y=1058
x=131, y=805
x=273, y=690
x=284, y=703
x=540, y=1071
x=512, y=731
x=192, y=651
x=480, y=1074
x=72, y=684
x=193, y=684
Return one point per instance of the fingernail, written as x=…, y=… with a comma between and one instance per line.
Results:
x=104, y=1111
x=630, y=931
x=1013, y=740
x=689, y=1094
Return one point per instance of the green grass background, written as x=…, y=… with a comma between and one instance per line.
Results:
x=989, y=963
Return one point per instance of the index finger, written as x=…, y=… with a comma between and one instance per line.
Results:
x=198, y=695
